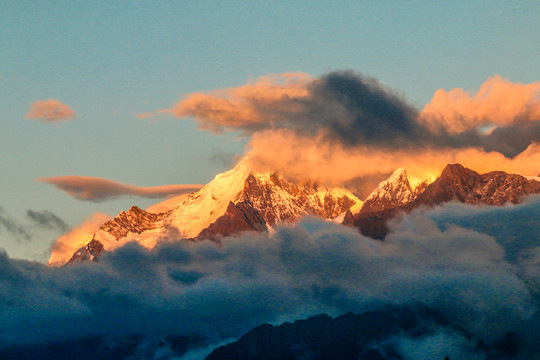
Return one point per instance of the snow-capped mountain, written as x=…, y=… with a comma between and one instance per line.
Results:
x=395, y=191
x=236, y=200
x=241, y=200
x=456, y=183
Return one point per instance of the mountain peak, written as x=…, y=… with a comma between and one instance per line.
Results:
x=392, y=192
x=465, y=185
x=397, y=174
x=457, y=170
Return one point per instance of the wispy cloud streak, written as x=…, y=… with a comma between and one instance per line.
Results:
x=99, y=189
x=46, y=219
x=12, y=226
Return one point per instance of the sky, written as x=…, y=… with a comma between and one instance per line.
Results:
x=95, y=90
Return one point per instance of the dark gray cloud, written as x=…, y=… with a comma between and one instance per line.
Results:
x=355, y=109
x=47, y=219
x=12, y=226
x=199, y=288
x=511, y=140
x=358, y=110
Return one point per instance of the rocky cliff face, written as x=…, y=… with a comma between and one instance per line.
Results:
x=135, y=220
x=464, y=185
x=280, y=201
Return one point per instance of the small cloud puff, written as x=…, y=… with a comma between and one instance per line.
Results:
x=50, y=111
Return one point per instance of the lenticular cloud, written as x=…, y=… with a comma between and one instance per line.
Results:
x=180, y=287
x=99, y=189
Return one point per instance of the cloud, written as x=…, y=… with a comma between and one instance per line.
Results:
x=312, y=158
x=12, y=226
x=66, y=245
x=40, y=220
x=222, y=291
x=440, y=345
x=248, y=108
x=224, y=159
x=349, y=107
x=145, y=115
x=497, y=102
x=502, y=116
x=358, y=110
x=50, y=111
x=348, y=128
x=99, y=189
x=47, y=219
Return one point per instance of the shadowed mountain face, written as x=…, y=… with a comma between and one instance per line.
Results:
x=238, y=217
x=374, y=335
x=392, y=333
x=456, y=183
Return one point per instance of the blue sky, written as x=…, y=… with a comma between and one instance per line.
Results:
x=112, y=60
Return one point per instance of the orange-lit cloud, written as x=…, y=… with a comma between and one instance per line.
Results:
x=346, y=125
x=97, y=189
x=356, y=110
x=145, y=115
x=50, y=111
x=66, y=245
x=250, y=107
x=498, y=102
x=351, y=107
x=313, y=158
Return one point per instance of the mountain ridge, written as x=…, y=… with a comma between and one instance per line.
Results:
x=242, y=200
x=456, y=183
x=371, y=335
x=237, y=200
